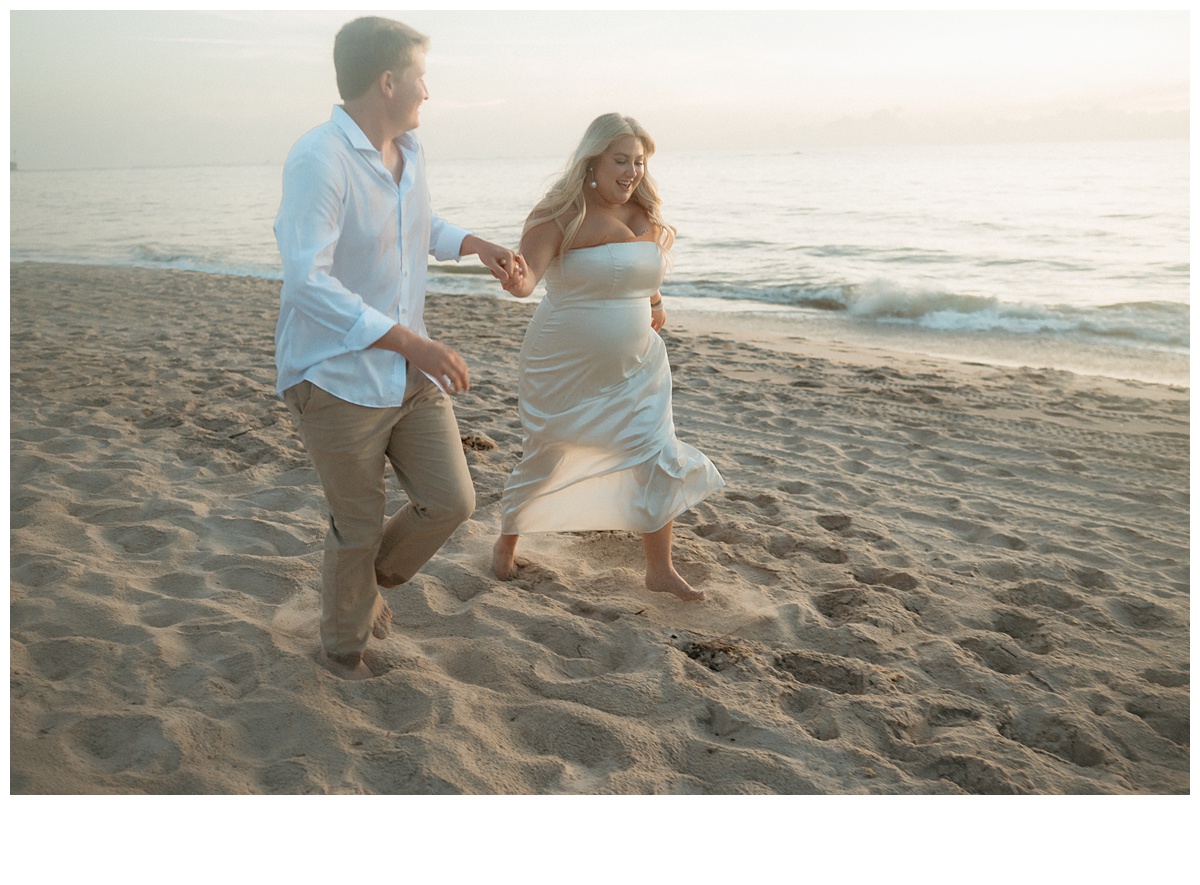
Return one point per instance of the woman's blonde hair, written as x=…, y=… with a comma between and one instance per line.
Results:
x=566, y=194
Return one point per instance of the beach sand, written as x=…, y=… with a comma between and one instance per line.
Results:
x=923, y=577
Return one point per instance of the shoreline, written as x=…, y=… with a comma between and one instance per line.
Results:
x=815, y=333
x=923, y=577
x=799, y=330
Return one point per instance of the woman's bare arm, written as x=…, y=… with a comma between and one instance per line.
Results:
x=538, y=247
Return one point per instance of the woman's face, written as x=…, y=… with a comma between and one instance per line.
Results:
x=619, y=170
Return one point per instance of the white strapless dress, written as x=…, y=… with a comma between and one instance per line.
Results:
x=595, y=403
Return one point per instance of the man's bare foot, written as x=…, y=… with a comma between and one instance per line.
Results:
x=349, y=667
x=672, y=583
x=504, y=557
x=383, y=620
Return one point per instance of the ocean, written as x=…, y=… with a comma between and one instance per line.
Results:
x=1070, y=256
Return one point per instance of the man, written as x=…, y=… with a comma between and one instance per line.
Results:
x=357, y=370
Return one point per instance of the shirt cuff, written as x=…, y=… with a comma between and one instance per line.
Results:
x=447, y=244
x=371, y=326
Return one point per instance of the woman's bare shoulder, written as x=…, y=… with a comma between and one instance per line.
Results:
x=543, y=213
x=543, y=231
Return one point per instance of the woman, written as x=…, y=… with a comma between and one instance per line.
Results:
x=595, y=387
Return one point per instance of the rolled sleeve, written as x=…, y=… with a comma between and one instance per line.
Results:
x=446, y=239
x=371, y=326
x=307, y=231
x=355, y=245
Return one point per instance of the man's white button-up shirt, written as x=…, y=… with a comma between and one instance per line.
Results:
x=354, y=246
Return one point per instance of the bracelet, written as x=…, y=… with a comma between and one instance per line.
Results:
x=655, y=305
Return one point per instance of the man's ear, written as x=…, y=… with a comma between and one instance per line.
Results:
x=386, y=83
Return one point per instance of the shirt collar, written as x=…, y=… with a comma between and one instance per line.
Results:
x=359, y=141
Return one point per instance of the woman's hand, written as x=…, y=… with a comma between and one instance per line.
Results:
x=658, y=313
x=521, y=283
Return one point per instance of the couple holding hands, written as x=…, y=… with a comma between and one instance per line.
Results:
x=366, y=386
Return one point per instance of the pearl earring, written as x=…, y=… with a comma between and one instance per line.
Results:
x=593, y=184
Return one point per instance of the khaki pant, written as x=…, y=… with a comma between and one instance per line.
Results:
x=348, y=445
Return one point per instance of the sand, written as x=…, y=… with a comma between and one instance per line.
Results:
x=923, y=577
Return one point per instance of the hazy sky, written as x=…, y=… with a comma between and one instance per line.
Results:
x=93, y=89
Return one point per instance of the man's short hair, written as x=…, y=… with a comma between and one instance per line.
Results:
x=366, y=47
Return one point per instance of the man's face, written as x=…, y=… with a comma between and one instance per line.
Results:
x=408, y=92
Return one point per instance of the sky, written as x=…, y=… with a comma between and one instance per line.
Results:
x=98, y=89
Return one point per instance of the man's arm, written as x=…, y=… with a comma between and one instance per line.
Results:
x=307, y=230
x=440, y=362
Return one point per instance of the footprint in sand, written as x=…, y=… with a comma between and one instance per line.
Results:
x=126, y=742
x=951, y=716
x=399, y=707
x=142, y=538
x=37, y=570
x=477, y=662
x=767, y=504
x=58, y=659
x=1139, y=613
x=1167, y=678
x=1030, y=633
x=596, y=613
x=997, y=652
x=838, y=675
x=1168, y=714
x=834, y=522
x=863, y=606
x=1093, y=579
x=810, y=710
x=576, y=734
x=259, y=581
x=427, y=599
x=722, y=533
x=721, y=722
x=1061, y=735
x=288, y=777
x=976, y=775
x=537, y=578
x=832, y=555
x=887, y=578
x=1042, y=594
x=795, y=488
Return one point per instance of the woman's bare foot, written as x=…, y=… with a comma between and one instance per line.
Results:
x=661, y=576
x=349, y=667
x=504, y=557
x=383, y=619
x=671, y=582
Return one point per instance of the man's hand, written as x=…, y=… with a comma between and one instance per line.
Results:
x=506, y=265
x=438, y=361
x=441, y=363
